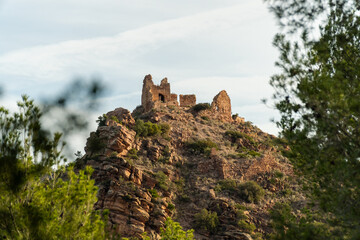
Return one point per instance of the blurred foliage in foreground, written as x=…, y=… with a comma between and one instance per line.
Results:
x=317, y=94
x=39, y=198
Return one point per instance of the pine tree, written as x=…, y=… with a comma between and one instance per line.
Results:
x=317, y=94
x=39, y=197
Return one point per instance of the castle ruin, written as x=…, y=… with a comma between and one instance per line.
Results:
x=154, y=96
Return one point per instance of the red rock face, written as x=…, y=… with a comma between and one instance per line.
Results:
x=122, y=115
x=112, y=140
x=144, y=180
x=123, y=190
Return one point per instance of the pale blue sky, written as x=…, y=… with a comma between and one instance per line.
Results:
x=201, y=46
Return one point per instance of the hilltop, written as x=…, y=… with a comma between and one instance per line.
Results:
x=207, y=169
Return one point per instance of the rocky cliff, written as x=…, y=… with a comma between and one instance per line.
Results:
x=187, y=163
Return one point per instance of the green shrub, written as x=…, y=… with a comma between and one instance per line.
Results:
x=253, y=153
x=162, y=181
x=154, y=193
x=240, y=207
x=206, y=118
x=248, y=191
x=227, y=184
x=101, y=120
x=173, y=231
x=246, y=227
x=201, y=106
x=249, y=124
x=243, y=221
x=207, y=221
x=132, y=154
x=246, y=153
x=170, y=206
x=164, y=128
x=115, y=119
x=257, y=236
x=287, y=225
x=278, y=174
x=234, y=135
x=165, y=156
x=127, y=198
x=184, y=198
x=95, y=143
x=201, y=146
x=148, y=129
x=251, y=192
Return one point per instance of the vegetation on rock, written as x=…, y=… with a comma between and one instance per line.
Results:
x=148, y=129
x=248, y=191
x=201, y=146
x=173, y=231
x=207, y=221
x=201, y=106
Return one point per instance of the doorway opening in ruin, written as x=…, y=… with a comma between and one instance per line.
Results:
x=161, y=97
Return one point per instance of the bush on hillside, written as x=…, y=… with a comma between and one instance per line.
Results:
x=201, y=106
x=102, y=120
x=207, y=221
x=248, y=191
x=173, y=230
x=163, y=181
x=148, y=129
x=251, y=192
x=132, y=154
x=95, y=143
x=234, y=135
x=201, y=146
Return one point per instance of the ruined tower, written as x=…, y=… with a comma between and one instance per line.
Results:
x=221, y=106
x=156, y=95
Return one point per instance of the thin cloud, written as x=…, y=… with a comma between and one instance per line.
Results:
x=61, y=61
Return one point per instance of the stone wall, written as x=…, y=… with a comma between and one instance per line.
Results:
x=221, y=106
x=187, y=100
x=155, y=95
x=147, y=96
x=161, y=93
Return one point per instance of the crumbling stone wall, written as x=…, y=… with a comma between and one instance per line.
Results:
x=161, y=93
x=221, y=106
x=147, y=96
x=154, y=95
x=187, y=100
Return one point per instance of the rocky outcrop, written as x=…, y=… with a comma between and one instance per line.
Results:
x=144, y=180
x=115, y=137
x=113, y=140
x=124, y=191
x=120, y=115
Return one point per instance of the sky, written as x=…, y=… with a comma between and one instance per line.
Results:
x=202, y=47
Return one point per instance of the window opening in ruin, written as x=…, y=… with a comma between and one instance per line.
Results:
x=161, y=97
